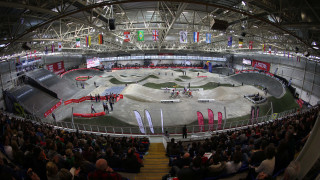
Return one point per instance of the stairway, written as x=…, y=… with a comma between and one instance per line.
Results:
x=155, y=163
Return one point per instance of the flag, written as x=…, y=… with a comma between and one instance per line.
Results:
x=161, y=120
x=126, y=36
x=18, y=60
x=52, y=48
x=230, y=41
x=59, y=46
x=263, y=47
x=140, y=35
x=35, y=53
x=100, y=39
x=269, y=49
x=46, y=50
x=210, y=119
x=195, y=36
x=288, y=55
x=139, y=120
x=88, y=41
x=200, y=121
x=275, y=50
x=257, y=113
x=240, y=42
x=155, y=35
x=219, y=120
x=298, y=59
x=208, y=38
x=183, y=37
x=78, y=42
x=250, y=44
x=149, y=121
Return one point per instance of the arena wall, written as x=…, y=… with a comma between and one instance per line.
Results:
x=305, y=74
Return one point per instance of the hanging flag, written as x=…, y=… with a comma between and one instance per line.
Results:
x=275, y=50
x=219, y=120
x=18, y=60
x=240, y=42
x=208, y=38
x=200, y=121
x=88, y=41
x=155, y=35
x=288, y=55
x=230, y=41
x=250, y=44
x=140, y=35
x=183, y=37
x=161, y=120
x=126, y=36
x=263, y=47
x=46, y=50
x=100, y=39
x=138, y=117
x=52, y=48
x=59, y=46
x=195, y=36
x=298, y=59
x=35, y=53
x=210, y=119
x=252, y=114
x=149, y=121
x=269, y=49
x=257, y=114
x=77, y=42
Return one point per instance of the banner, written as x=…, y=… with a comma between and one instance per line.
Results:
x=200, y=121
x=210, y=67
x=138, y=117
x=195, y=36
x=208, y=38
x=59, y=46
x=300, y=102
x=219, y=120
x=161, y=120
x=56, y=68
x=261, y=65
x=263, y=47
x=252, y=114
x=183, y=37
x=126, y=36
x=149, y=121
x=210, y=119
x=257, y=113
x=88, y=41
x=274, y=116
x=140, y=35
x=52, y=48
x=230, y=41
x=155, y=35
x=269, y=49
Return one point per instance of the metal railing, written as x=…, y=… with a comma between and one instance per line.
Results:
x=192, y=129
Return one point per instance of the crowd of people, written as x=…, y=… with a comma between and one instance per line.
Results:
x=264, y=149
x=38, y=151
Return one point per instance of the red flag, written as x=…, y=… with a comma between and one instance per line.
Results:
x=219, y=120
x=210, y=119
x=250, y=44
x=200, y=121
x=126, y=36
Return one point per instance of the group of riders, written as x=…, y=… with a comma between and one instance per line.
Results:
x=176, y=94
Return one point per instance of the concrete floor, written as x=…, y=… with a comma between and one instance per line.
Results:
x=138, y=97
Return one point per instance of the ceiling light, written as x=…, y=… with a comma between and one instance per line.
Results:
x=313, y=43
x=315, y=47
x=243, y=3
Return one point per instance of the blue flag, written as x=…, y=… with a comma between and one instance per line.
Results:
x=230, y=41
x=208, y=38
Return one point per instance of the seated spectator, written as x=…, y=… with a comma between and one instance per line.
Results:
x=216, y=166
x=103, y=171
x=131, y=163
x=113, y=160
x=259, y=155
x=282, y=156
x=194, y=172
x=52, y=171
x=267, y=166
x=234, y=165
x=64, y=174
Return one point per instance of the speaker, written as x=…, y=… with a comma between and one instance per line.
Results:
x=26, y=46
x=219, y=25
x=112, y=25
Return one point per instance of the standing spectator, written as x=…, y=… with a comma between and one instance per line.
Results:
x=184, y=131
x=54, y=117
x=92, y=109
x=110, y=102
x=99, y=97
x=105, y=107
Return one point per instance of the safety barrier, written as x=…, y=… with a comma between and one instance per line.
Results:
x=89, y=98
x=53, y=108
x=205, y=100
x=88, y=115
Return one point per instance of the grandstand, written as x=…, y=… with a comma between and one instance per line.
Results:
x=145, y=90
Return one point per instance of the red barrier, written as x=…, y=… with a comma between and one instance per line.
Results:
x=88, y=98
x=118, y=98
x=158, y=67
x=75, y=100
x=88, y=115
x=77, y=70
x=201, y=76
x=53, y=108
x=82, y=99
x=68, y=102
x=121, y=96
x=79, y=78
